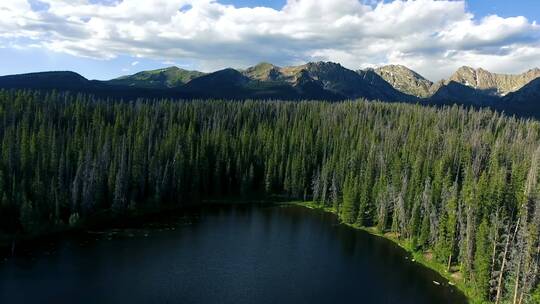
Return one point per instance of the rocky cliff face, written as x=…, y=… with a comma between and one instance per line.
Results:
x=405, y=80
x=493, y=83
x=480, y=80
x=328, y=77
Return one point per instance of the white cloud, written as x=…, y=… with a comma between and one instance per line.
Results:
x=433, y=37
x=134, y=63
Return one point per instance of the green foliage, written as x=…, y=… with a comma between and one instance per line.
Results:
x=350, y=199
x=482, y=261
x=444, y=248
x=535, y=297
x=163, y=78
x=451, y=181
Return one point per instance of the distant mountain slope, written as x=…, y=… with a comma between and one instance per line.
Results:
x=493, y=83
x=61, y=80
x=457, y=93
x=482, y=82
x=334, y=78
x=530, y=93
x=318, y=80
x=385, y=90
x=227, y=83
x=518, y=94
x=70, y=81
x=405, y=80
x=256, y=82
x=171, y=77
x=223, y=79
x=264, y=72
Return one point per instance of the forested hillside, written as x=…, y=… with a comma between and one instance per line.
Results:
x=458, y=183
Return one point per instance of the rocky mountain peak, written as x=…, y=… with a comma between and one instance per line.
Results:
x=405, y=80
x=263, y=72
x=465, y=75
x=493, y=83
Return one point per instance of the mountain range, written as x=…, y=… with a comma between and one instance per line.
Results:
x=518, y=94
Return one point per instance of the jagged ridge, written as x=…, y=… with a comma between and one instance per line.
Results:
x=316, y=80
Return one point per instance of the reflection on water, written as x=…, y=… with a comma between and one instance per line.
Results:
x=223, y=254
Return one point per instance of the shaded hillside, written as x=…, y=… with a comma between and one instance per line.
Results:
x=530, y=93
x=73, y=82
x=457, y=93
x=61, y=80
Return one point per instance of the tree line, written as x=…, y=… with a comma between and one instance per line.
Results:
x=457, y=183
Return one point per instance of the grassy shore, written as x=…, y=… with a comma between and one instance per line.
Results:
x=423, y=258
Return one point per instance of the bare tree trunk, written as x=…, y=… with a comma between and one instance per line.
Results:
x=470, y=241
x=495, y=241
x=449, y=262
x=494, y=254
x=516, y=288
x=503, y=264
x=501, y=273
x=537, y=258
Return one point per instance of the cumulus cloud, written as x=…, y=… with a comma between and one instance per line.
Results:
x=433, y=37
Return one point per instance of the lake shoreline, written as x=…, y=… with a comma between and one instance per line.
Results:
x=256, y=246
x=110, y=219
x=416, y=256
x=132, y=217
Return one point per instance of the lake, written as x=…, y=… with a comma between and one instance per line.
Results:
x=223, y=254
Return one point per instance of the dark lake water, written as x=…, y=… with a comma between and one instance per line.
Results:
x=223, y=254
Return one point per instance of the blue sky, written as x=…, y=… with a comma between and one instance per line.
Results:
x=277, y=4
x=506, y=8
x=433, y=37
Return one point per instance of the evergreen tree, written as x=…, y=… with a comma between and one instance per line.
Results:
x=349, y=208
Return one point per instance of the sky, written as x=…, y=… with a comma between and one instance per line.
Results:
x=104, y=39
